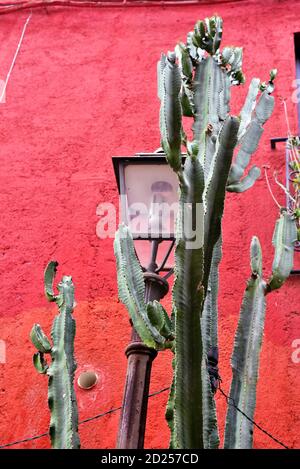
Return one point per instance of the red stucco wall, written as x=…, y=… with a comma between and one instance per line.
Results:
x=84, y=89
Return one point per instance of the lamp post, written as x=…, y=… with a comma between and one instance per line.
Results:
x=148, y=191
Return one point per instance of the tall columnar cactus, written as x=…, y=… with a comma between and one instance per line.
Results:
x=194, y=81
x=61, y=394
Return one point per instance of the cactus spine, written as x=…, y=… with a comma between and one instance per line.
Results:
x=195, y=81
x=61, y=394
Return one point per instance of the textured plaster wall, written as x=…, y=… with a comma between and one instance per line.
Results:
x=84, y=89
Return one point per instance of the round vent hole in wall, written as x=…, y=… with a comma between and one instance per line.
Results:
x=87, y=380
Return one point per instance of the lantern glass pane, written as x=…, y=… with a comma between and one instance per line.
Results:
x=151, y=200
x=143, y=251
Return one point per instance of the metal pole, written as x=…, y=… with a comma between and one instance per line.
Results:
x=135, y=400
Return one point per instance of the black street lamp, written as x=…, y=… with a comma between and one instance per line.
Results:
x=148, y=191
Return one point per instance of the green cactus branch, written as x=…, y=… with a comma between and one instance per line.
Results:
x=188, y=295
x=209, y=327
x=253, y=117
x=249, y=334
x=215, y=189
x=284, y=238
x=61, y=394
x=150, y=320
x=170, y=113
x=49, y=279
x=245, y=357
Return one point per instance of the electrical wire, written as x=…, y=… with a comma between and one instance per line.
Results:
x=15, y=57
x=229, y=400
x=98, y=416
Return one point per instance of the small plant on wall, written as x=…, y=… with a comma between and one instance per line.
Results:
x=195, y=81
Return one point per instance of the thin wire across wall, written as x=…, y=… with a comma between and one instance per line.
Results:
x=229, y=400
x=15, y=57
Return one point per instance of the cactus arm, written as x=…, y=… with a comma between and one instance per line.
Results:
x=215, y=189
x=159, y=319
x=248, y=107
x=217, y=112
x=248, y=339
x=248, y=146
x=209, y=325
x=188, y=299
x=209, y=107
x=186, y=69
x=210, y=310
x=201, y=97
x=210, y=424
x=249, y=143
x=246, y=182
x=218, y=96
x=39, y=363
x=217, y=32
x=195, y=52
x=264, y=108
x=185, y=62
x=170, y=111
x=39, y=339
x=208, y=34
x=186, y=106
x=269, y=86
x=284, y=237
x=245, y=357
x=131, y=285
x=131, y=288
x=160, y=70
x=49, y=278
x=231, y=59
x=224, y=97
